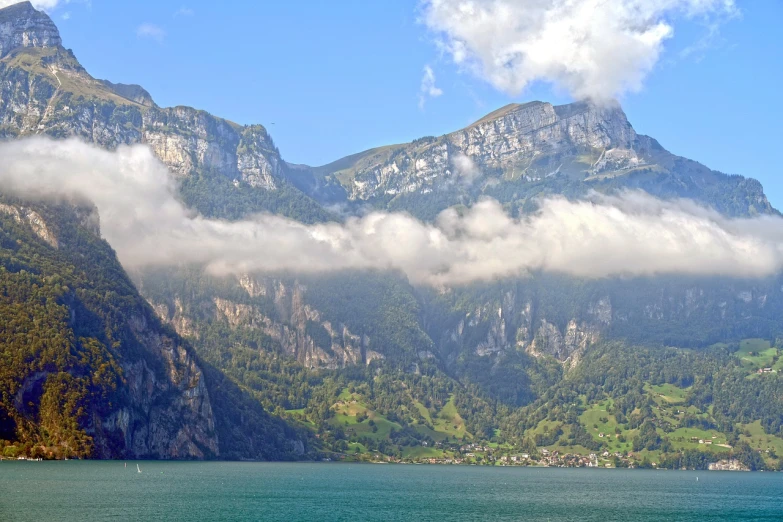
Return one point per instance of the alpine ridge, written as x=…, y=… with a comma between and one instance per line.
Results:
x=523, y=151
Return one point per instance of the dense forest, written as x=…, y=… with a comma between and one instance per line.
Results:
x=56, y=371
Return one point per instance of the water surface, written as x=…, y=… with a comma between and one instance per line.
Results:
x=87, y=491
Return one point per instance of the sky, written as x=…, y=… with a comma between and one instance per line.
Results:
x=330, y=79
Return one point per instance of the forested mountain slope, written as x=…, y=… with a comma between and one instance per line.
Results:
x=87, y=368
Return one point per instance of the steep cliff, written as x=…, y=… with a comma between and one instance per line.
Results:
x=531, y=141
x=46, y=91
x=561, y=318
x=278, y=315
x=89, y=370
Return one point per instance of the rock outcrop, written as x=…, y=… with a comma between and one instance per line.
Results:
x=31, y=217
x=728, y=465
x=277, y=309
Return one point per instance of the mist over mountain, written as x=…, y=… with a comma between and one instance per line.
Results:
x=491, y=284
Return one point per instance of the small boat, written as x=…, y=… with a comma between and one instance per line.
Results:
x=138, y=468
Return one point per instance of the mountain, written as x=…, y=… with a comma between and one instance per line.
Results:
x=46, y=91
x=523, y=151
x=364, y=364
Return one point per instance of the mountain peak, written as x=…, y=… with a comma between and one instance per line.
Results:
x=505, y=110
x=568, y=110
x=545, y=111
x=21, y=25
x=19, y=8
x=583, y=123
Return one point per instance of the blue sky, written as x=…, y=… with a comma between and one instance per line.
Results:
x=340, y=77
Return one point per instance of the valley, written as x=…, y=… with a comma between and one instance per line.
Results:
x=659, y=369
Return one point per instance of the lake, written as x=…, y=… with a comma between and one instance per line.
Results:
x=86, y=491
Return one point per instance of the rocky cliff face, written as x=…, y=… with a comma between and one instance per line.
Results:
x=278, y=310
x=728, y=465
x=44, y=90
x=31, y=217
x=22, y=26
x=551, y=317
x=515, y=321
x=534, y=140
x=561, y=319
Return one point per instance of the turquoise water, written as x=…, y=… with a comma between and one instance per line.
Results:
x=86, y=491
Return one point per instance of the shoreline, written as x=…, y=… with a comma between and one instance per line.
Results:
x=377, y=462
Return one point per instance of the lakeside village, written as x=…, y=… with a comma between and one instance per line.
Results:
x=477, y=454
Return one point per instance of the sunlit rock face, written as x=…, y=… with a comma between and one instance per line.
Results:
x=534, y=140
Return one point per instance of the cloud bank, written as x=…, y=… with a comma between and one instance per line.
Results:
x=630, y=234
x=594, y=49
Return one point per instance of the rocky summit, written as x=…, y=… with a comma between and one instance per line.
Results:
x=21, y=26
x=532, y=141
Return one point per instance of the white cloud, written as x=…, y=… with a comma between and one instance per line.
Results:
x=594, y=49
x=428, y=88
x=466, y=169
x=184, y=11
x=630, y=234
x=151, y=31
